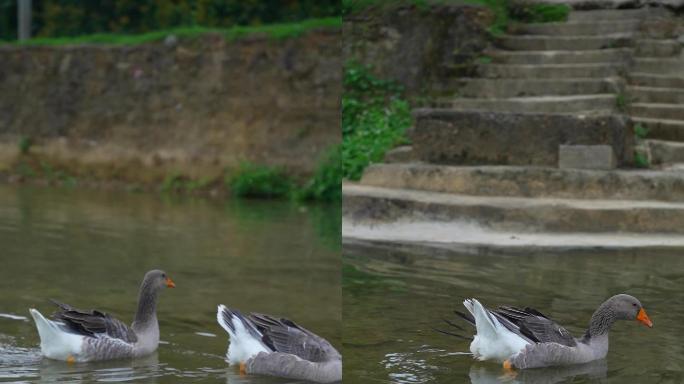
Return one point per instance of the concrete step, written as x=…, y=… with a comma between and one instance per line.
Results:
x=539, y=104
x=551, y=71
x=505, y=88
x=616, y=55
x=577, y=28
x=656, y=95
x=664, y=152
x=564, y=43
x=532, y=182
x=607, y=15
x=451, y=136
x=662, y=129
x=655, y=80
x=373, y=204
x=656, y=48
x=661, y=66
x=657, y=110
x=401, y=154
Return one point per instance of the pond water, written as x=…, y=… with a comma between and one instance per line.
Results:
x=393, y=301
x=91, y=249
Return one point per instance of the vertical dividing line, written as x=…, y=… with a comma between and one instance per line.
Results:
x=24, y=19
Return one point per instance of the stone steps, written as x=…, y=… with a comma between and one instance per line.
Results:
x=604, y=56
x=657, y=110
x=664, y=152
x=530, y=182
x=552, y=71
x=505, y=88
x=656, y=95
x=662, y=129
x=564, y=43
x=539, y=104
x=607, y=15
x=373, y=204
x=655, y=80
x=656, y=48
x=577, y=28
x=659, y=66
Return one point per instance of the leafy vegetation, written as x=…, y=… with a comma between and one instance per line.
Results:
x=621, y=102
x=326, y=183
x=640, y=160
x=274, y=31
x=59, y=18
x=374, y=119
x=253, y=180
x=25, y=144
x=538, y=13
x=640, y=131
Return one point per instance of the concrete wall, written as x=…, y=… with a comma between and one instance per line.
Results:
x=195, y=107
x=419, y=47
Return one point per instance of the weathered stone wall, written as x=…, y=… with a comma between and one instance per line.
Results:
x=195, y=107
x=476, y=137
x=419, y=47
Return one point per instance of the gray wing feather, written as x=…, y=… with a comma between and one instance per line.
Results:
x=288, y=337
x=536, y=326
x=92, y=323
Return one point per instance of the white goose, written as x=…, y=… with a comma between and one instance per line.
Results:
x=262, y=344
x=525, y=338
x=76, y=335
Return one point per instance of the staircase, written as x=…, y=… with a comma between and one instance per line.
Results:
x=581, y=74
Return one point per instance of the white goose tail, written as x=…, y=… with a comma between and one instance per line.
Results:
x=245, y=339
x=56, y=343
x=493, y=340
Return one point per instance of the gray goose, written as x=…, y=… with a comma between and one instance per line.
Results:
x=265, y=345
x=526, y=338
x=75, y=335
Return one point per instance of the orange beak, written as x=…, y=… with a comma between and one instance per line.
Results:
x=171, y=284
x=642, y=317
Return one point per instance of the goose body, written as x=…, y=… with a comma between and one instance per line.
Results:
x=262, y=344
x=76, y=335
x=525, y=338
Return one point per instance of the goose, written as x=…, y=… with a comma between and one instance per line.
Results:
x=526, y=338
x=78, y=336
x=265, y=345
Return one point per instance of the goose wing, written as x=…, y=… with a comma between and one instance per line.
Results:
x=285, y=336
x=536, y=326
x=92, y=323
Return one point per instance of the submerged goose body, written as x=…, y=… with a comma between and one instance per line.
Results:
x=262, y=344
x=526, y=338
x=75, y=335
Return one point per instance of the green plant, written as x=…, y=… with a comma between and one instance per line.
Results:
x=640, y=131
x=640, y=160
x=621, y=102
x=25, y=144
x=326, y=184
x=253, y=180
x=484, y=59
x=374, y=119
x=538, y=13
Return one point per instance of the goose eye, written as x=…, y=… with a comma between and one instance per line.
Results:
x=164, y=276
x=634, y=304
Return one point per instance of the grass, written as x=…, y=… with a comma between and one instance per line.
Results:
x=504, y=11
x=274, y=31
x=259, y=181
x=375, y=117
x=538, y=13
x=326, y=183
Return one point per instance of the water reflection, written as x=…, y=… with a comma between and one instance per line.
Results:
x=486, y=375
